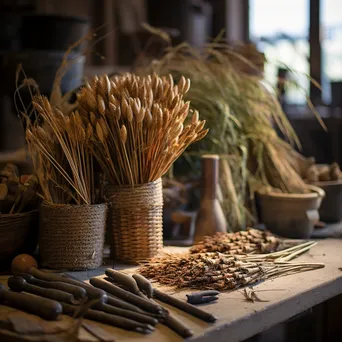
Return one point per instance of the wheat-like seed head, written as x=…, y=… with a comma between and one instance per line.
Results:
x=129, y=114
x=124, y=106
x=104, y=127
x=181, y=83
x=101, y=105
x=175, y=101
x=92, y=118
x=135, y=89
x=136, y=106
x=91, y=101
x=90, y=131
x=195, y=117
x=186, y=87
x=139, y=117
x=200, y=126
x=201, y=135
x=148, y=118
x=170, y=79
x=123, y=134
x=99, y=133
x=107, y=84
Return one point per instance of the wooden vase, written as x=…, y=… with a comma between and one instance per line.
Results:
x=210, y=218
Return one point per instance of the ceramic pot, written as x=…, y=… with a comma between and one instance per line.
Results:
x=290, y=215
x=331, y=207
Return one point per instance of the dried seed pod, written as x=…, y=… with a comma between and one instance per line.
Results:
x=104, y=127
x=141, y=114
x=195, y=117
x=123, y=134
x=99, y=133
x=148, y=118
x=93, y=118
x=101, y=105
x=181, y=83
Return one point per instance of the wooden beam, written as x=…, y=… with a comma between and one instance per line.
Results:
x=315, y=58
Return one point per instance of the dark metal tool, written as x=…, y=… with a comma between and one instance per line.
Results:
x=113, y=320
x=202, y=297
x=77, y=291
x=42, y=307
x=19, y=284
x=92, y=292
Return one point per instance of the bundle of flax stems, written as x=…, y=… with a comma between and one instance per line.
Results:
x=59, y=145
x=138, y=125
x=249, y=241
x=214, y=270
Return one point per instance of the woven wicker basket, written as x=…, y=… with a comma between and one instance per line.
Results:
x=136, y=220
x=71, y=237
x=18, y=234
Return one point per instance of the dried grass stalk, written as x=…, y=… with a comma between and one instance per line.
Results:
x=60, y=149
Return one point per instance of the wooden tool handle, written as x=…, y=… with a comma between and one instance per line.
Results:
x=144, y=285
x=77, y=291
x=135, y=316
x=19, y=284
x=122, y=304
x=142, y=303
x=123, y=279
x=42, y=307
x=184, y=306
x=92, y=292
x=113, y=320
x=177, y=326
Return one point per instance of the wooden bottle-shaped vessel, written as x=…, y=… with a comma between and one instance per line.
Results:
x=210, y=218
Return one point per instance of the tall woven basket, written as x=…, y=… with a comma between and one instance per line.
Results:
x=136, y=220
x=71, y=237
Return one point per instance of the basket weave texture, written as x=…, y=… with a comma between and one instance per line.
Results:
x=18, y=234
x=137, y=220
x=71, y=237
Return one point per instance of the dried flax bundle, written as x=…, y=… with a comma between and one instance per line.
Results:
x=250, y=241
x=217, y=271
x=138, y=125
x=60, y=150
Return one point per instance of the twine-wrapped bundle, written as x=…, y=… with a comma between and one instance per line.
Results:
x=137, y=220
x=71, y=237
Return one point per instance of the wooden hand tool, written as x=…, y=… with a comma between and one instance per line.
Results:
x=19, y=284
x=132, y=298
x=113, y=320
x=92, y=292
x=77, y=291
x=135, y=316
x=42, y=307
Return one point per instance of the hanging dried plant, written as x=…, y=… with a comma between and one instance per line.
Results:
x=138, y=125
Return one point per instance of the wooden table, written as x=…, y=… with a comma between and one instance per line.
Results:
x=238, y=319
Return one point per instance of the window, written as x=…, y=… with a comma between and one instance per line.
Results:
x=331, y=33
x=280, y=29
